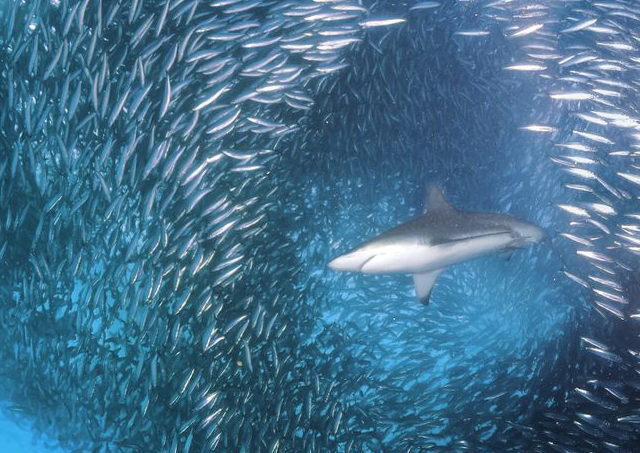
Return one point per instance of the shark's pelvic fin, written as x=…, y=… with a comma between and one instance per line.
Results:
x=436, y=200
x=508, y=254
x=424, y=284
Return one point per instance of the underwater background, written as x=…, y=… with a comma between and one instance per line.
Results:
x=176, y=174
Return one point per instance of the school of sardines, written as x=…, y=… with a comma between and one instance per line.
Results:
x=170, y=172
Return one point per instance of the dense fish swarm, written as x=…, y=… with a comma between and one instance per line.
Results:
x=175, y=174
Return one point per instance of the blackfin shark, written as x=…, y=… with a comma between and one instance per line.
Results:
x=441, y=237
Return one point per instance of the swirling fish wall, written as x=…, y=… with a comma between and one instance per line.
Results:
x=175, y=175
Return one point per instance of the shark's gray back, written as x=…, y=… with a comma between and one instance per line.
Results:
x=442, y=226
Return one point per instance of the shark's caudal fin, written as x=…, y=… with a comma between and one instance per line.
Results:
x=424, y=284
x=436, y=200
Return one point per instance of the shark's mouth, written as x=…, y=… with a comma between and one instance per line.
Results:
x=367, y=261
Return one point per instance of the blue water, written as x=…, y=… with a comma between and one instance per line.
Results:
x=18, y=437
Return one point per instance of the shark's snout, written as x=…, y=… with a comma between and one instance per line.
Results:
x=349, y=262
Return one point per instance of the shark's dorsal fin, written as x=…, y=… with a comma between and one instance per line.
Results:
x=436, y=200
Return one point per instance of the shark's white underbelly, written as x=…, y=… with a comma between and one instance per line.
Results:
x=415, y=258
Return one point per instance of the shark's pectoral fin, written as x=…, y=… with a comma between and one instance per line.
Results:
x=424, y=284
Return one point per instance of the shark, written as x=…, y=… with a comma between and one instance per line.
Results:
x=443, y=236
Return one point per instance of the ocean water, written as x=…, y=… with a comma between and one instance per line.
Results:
x=16, y=436
x=175, y=177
